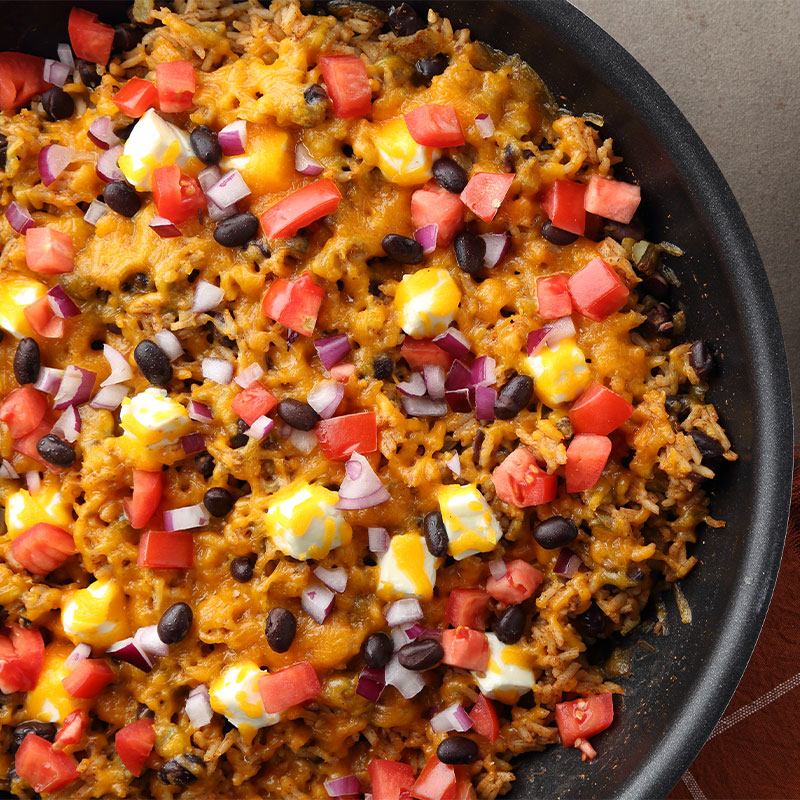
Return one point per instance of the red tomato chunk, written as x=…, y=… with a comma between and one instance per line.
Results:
x=465, y=648
x=433, y=205
x=485, y=192
x=254, y=402
x=583, y=718
x=435, y=126
x=134, y=743
x=519, y=583
x=72, y=730
x=177, y=196
x=587, y=455
x=288, y=687
x=91, y=40
x=563, y=204
x=347, y=83
x=89, y=678
x=300, y=208
x=520, y=482
x=147, y=490
x=27, y=444
x=597, y=291
x=135, y=97
x=553, y=297
x=43, y=548
x=21, y=659
x=294, y=304
x=176, y=85
x=599, y=410
x=48, y=251
x=467, y=607
x=43, y=767
x=390, y=779
x=484, y=718
x=419, y=352
x=340, y=437
x=165, y=550
x=437, y=781
x=612, y=199
x=21, y=77
x=23, y=410
x=43, y=320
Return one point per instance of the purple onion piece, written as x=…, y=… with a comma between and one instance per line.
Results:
x=459, y=376
x=108, y=167
x=453, y=342
x=459, y=400
x=127, y=650
x=317, y=602
x=19, y=218
x=414, y=386
x=404, y=611
x=61, y=303
x=485, y=398
x=567, y=563
x=378, y=540
x=332, y=349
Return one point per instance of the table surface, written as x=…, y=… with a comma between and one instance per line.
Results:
x=731, y=66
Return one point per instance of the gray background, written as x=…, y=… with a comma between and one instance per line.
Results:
x=733, y=68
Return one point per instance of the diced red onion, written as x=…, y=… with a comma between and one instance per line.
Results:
x=317, y=602
x=423, y=407
x=193, y=443
x=198, y=706
x=206, y=297
x=218, y=370
x=120, y=368
x=199, y=412
x=108, y=167
x=483, y=371
x=149, y=641
x=378, y=540
x=370, y=683
x=452, y=341
x=228, y=190
x=169, y=343
x=101, y=132
x=96, y=211
x=400, y=638
x=454, y=464
x=459, y=400
x=247, y=377
x=75, y=388
x=325, y=398
x=567, y=563
x=414, y=386
x=304, y=441
x=332, y=349
x=453, y=718
x=65, y=55
x=426, y=236
x=7, y=470
x=485, y=398
x=19, y=218
x=417, y=631
x=61, y=304
x=233, y=138
x=305, y=163
x=343, y=786
x=260, y=428
x=459, y=376
x=68, y=425
x=497, y=568
x=55, y=72
x=164, y=228
x=33, y=480
x=49, y=380
x=485, y=125
x=110, y=397
x=404, y=611
x=497, y=245
x=186, y=517
x=53, y=160
x=79, y=653
x=408, y=682
x=361, y=487
x=562, y=328
x=434, y=381
x=127, y=650
x=537, y=340
x=207, y=178
x=335, y=578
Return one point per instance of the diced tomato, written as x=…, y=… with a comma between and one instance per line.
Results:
x=347, y=83
x=390, y=779
x=177, y=196
x=464, y=790
x=467, y=607
x=89, y=678
x=485, y=192
x=48, y=251
x=42, y=766
x=341, y=373
x=288, y=687
x=553, y=296
x=72, y=730
x=419, y=352
x=597, y=291
x=134, y=743
x=435, y=126
x=21, y=77
x=136, y=97
x=612, y=199
x=23, y=410
x=583, y=718
x=484, y=718
x=521, y=482
x=437, y=781
x=465, y=648
x=340, y=437
x=43, y=548
x=91, y=40
x=519, y=583
x=253, y=402
x=599, y=410
x=432, y=205
x=176, y=85
x=43, y=320
x=563, y=204
x=27, y=444
x=587, y=455
x=21, y=659
x=148, y=488
x=294, y=304
x=312, y=202
x=165, y=550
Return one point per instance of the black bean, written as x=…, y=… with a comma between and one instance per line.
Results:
x=241, y=438
x=218, y=501
x=281, y=629
x=382, y=367
x=181, y=770
x=619, y=230
x=3, y=150
x=435, y=534
x=55, y=451
x=655, y=285
x=47, y=730
x=470, y=252
x=375, y=287
x=242, y=568
x=404, y=21
x=236, y=230
x=421, y=654
x=153, y=362
x=555, y=532
x=315, y=94
x=449, y=175
x=206, y=145
x=513, y=397
x=88, y=74
x=204, y=463
x=701, y=359
x=658, y=321
x=402, y=248
x=298, y=414
x=175, y=623
x=430, y=67
x=124, y=131
x=57, y=104
x=457, y=750
x=591, y=622
x=710, y=449
x=511, y=625
x=677, y=406
x=141, y=281
x=378, y=649
x=27, y=361
x=122, y=198
x=557, y=235
x=126, y=37
x=593, y=227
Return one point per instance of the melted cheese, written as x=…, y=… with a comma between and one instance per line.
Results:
x=407, y=569
x=426, y=302
x=560, y=375
x=235, y=695
x=470, y=524
x=15, y=295
x=24, y=510
x=96, y=615
x=49, y=701
x=399, y=157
